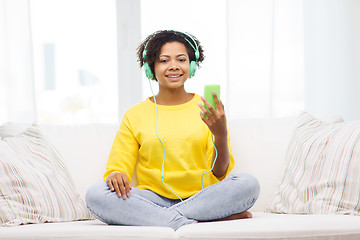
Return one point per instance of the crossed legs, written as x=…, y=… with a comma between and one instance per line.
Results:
x=226, y=200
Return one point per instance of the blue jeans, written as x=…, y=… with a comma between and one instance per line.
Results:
x=235, y=194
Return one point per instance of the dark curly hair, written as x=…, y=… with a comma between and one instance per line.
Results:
x=155, y=41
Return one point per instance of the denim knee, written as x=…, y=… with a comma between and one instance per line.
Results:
x=249, y=182
x=94, y=195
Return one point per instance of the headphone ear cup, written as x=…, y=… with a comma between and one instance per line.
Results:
x=148, y=71
x=193, y=68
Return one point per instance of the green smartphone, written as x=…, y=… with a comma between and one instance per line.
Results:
x=208, y=93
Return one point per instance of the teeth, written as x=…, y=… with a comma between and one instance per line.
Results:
x=174, y=76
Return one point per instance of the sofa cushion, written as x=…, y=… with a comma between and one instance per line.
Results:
x=85, y=230
x=261, y=226
x=277, y=226
x=35, y=185
x=321, y=174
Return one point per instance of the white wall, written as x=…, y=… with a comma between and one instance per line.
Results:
x=332, y=57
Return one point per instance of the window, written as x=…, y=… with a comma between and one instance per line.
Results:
x=75, y=60
x=253, y=49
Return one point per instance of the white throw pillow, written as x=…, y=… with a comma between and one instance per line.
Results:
x=35, y=185
x=322, y=170
x=11, y=129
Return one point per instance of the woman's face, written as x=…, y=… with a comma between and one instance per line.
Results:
x=172, y=67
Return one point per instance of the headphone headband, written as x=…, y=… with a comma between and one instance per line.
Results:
x=196, y=48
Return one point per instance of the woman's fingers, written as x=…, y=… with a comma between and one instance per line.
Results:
x=218, y=104
x=110, y=185
x=118, y=189
x=127, y=187
x=214, y=118
x=208, y=105
x=204, y=113
x=119, y=183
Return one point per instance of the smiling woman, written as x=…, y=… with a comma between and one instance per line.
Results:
x=156, y=139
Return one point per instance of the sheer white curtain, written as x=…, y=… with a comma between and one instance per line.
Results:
x=17, y=100
x=265, y=61
x=332, y=57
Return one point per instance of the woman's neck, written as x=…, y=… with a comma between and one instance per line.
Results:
x=173, y=97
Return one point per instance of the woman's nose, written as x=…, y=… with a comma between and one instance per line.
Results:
x=173, y=65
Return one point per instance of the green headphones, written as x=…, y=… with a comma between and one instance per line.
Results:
x=193, y=64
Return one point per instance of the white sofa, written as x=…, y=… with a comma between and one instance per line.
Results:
x=259, y=147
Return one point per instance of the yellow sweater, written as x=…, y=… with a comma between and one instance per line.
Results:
x=188, y=148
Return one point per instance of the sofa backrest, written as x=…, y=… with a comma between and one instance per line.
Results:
x=259, y=148
x=85, y=150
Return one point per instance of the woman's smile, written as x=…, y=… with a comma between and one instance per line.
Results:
x=174, y=77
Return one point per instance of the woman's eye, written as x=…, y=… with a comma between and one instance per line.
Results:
x=182, y=60
x=163, y=60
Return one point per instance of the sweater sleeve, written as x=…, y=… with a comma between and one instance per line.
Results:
x=124, y=151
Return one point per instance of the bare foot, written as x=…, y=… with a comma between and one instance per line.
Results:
x=235, y=216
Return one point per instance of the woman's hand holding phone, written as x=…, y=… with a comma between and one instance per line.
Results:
x=213, y=112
